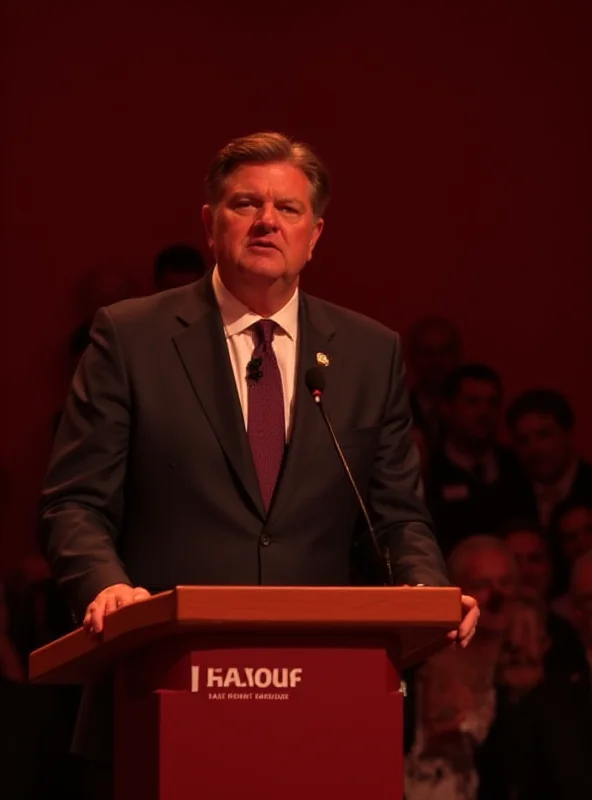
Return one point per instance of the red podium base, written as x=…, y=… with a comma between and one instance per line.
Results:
x=312, y=716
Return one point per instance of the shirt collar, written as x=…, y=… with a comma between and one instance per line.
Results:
x=560, y=490
x=237, y=317
x=468, y=463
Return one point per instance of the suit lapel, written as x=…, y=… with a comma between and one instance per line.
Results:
x=203, y=350
x=315, y=335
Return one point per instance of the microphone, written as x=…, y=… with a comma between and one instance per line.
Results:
x=315, y=383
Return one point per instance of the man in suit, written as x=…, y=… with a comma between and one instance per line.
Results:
x=541, y=424
x=473, y=483
x=190, y=451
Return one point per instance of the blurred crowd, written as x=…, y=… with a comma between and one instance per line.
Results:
x=509, y=718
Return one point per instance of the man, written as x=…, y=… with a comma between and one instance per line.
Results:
x=191, y=452
x=434, y=353
x=177, y=265
x=472, y=481
x=455, y=689
x=530, y=549
x=540, y=422
x=553, y=736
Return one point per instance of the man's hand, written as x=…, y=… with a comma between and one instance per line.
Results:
x=109, y=600
x=468, y=625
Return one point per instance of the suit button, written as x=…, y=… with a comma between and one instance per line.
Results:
x=265, y=540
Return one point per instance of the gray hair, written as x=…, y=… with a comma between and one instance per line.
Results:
x=478, y=543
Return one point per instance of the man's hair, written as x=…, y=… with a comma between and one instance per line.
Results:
x=547, y=402
x=478, y=543
x=474, y=372
x=179, y=258
x=268, y=147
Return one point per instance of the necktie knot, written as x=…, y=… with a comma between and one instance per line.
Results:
x=264, y=331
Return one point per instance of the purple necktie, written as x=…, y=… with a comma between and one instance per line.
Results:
x=266, y=424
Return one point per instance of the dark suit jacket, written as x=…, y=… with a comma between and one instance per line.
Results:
x=151, y=481
x=461, y=506
x=539, y=748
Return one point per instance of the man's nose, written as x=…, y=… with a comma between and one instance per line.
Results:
x=267, y=217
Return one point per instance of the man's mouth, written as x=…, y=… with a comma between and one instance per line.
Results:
x=263, y=243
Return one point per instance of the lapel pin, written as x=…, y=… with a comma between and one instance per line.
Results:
x=322, y=360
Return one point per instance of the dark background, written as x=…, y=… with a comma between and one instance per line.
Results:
x=458, y=136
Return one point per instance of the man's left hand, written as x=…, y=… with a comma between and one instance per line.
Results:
x=470, y=616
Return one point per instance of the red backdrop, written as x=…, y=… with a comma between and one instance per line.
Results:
x=458, y=138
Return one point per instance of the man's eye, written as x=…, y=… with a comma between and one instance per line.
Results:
x=289, y=209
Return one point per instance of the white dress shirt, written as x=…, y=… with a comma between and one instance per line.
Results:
x=237, y=319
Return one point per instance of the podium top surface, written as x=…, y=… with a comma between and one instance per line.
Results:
x=419, y=616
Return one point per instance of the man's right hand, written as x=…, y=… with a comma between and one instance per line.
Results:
x=108, y=601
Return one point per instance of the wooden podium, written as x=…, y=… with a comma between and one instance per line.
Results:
x=258, y=693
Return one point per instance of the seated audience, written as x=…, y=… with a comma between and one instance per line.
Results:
x=473, y=482
x=434, y=351
x=521, y=669
x=553, y=733
x=456, y=688
x=177, y=265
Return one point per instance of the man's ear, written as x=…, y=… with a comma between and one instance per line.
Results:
x=207, y=217
x=316, y=232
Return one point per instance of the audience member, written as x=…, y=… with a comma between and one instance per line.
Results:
x=564, y=656
x=552, y=732
x=573, y=528
x=456, y=689
x=530, y=549
x=541, y=424
x=177, y=265
x=521, y=669
x=434, y=351
x=473, y=482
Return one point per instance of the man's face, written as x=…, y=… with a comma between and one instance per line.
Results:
x=263, y=229
x=474, y=414
x=543, y=446
x=532, y=558
x=521, y=664
x=575, y=532
x=489, y=577
x=435, y=355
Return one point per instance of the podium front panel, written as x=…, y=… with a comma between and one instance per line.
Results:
x=261, y=718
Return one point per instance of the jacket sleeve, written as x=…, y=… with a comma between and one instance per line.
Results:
x=82, y=502
x=395, y=498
